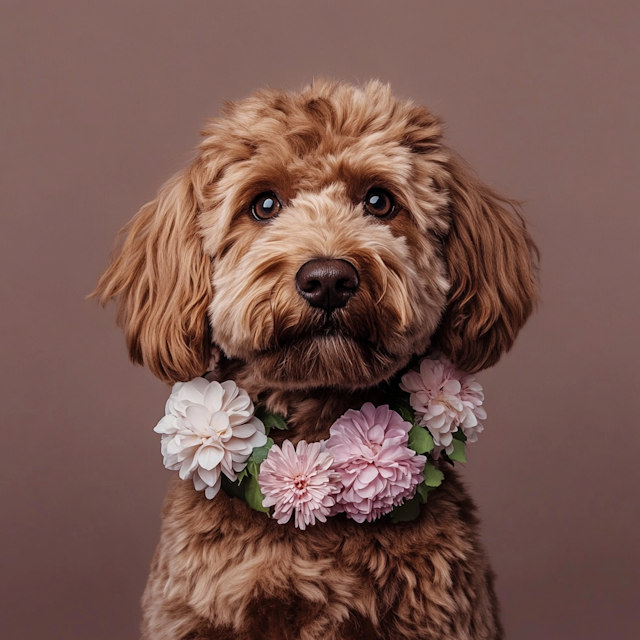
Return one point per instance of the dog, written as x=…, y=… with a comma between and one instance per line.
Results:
x=318, y=245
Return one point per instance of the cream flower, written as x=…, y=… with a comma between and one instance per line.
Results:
x=444, y=400
x=209, y=428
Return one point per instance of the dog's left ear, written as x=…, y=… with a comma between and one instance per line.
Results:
x=492, y=264
x=162, y=281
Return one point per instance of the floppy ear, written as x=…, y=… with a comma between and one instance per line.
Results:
x=492, y=267
x=162, y=281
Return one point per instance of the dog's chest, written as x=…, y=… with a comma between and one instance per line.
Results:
x=235, y=568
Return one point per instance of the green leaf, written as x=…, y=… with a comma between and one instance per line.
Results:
x=420, y=440
x=401, y=404
x=256, y=458
x=232, y=489
x=270, y=420
x=253, y=495
x=423, y=491
x=459, y=435
x=432, y=476
x=407, y=511
x=260, y=453
x=458, y=454
x=399, y=401
x=254, y=461
x=406, y=413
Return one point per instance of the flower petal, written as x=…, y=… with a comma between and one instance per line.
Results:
x=220, y=422
x=209, y=457
x=212, y=398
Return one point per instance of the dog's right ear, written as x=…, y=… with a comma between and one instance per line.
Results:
x=162, y=281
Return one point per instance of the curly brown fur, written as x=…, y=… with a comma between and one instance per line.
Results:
x=453, y=268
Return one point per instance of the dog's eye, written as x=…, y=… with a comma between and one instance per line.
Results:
x=265, y=206
x=379, y=203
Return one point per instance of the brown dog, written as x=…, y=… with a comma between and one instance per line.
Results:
x=335, y=178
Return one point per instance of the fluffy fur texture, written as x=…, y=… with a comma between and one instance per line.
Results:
x=452, y=268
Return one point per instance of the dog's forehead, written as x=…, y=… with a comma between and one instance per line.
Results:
x=326, y=134
x=357, y=164
x=349, y=165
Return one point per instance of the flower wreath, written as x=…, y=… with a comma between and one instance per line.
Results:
x=376, y=461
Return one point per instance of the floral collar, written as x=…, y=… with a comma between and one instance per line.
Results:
x=376, y=461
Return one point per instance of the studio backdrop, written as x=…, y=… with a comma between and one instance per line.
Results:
x=102, y=102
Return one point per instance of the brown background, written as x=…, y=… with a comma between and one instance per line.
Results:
x=102, y=101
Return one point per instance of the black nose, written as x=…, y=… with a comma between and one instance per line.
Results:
x=327, y=284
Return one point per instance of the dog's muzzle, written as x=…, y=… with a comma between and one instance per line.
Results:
x=327, y=284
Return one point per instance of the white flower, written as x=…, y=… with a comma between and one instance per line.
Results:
x=209, y=427
x=445, y=399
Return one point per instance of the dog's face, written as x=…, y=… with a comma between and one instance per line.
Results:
x=327, y=268
x=324, y=238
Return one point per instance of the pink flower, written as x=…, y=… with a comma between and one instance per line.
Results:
x=300, y=479
x=377, y=469
x=445, y=399
x=472, y=397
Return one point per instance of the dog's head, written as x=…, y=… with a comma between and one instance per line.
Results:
x=324, y=238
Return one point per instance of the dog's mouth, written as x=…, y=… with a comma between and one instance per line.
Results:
x=369, y=330
x=329, y=325
x=357, y=345
x=329, y=356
